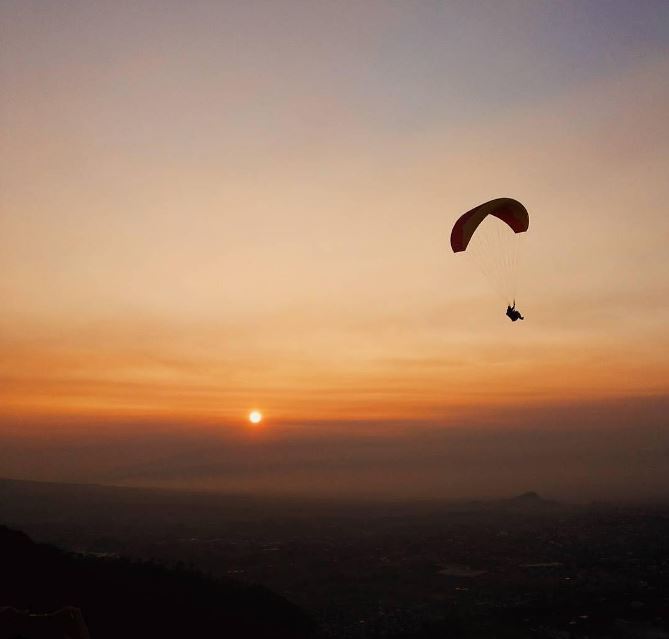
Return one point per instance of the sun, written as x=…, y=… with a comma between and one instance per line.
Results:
x=255, y=416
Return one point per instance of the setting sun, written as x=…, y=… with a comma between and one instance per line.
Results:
x=255, y=416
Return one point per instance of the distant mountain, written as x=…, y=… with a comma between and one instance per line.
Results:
x=136, y=600
x=110, y=508
x=530, y=501
x=527, y=503
x=529, y=497
x=47, y=509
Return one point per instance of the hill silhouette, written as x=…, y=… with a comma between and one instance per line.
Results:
x=530, y=499
x=140, y=599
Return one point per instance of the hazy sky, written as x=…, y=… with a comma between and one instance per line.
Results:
x=207, y=207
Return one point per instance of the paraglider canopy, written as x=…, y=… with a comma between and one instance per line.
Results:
x=506, y=209
x=489, y=236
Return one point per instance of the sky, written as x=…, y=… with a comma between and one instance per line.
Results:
x=210, y=207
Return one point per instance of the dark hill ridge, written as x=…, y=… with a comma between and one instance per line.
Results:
x=528, y=503
x=529, y=497
x=38, y=506
x=532, y=500
x=133, y=599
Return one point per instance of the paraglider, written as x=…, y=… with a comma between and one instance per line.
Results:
x=513, y=314
x=489, y=234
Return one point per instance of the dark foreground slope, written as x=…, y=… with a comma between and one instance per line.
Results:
x=517, y=568
x=130, y=599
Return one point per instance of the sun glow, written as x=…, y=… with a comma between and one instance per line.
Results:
x=255, y=416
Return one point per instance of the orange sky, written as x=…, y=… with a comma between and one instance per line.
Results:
x=202, y=213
